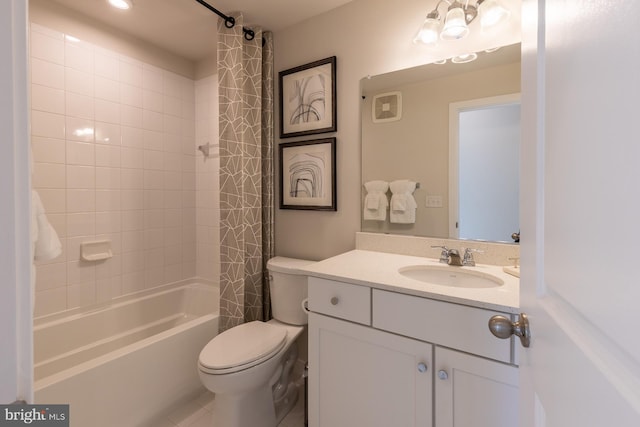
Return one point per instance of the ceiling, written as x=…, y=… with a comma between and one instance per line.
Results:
x=187, y=28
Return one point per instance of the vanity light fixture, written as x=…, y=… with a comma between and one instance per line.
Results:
x=121, y=4
x=464, y=58
x=457, y=19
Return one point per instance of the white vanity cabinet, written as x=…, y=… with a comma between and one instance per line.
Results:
x=381, y=358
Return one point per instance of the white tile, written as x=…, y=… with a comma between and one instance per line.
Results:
x=152, y=140
x=153, y=218
x=80, y=272
x=106, y=65
x=172, y=143
x=152, y=120
x=53, y=200
x=154, y=277
x=132, y=282
x=131, y=95
x=47, y=48
x=172, y=217
x=132, y=199
x=152, y=101
x=81, y=224
x=46, y=31
x=50, y=301
x=173, y=255
x=47, y=74
x=153, y=160
x=132, y=262
x=78, y=129
x=80, y=153
x=173, y=273
x=132, y=137
x=107, y=111
x=81, y=106
x=48, y=149
x=132, y=241
x=172, y=162
x=49, y=175
x=188, y=199
x=132, y=179
x=188, y=180
x=107, y=156
x=130, y=73
x=78, y=82
x=172, y=124
x=153, y=199
x=188, y=111
x=173, y=180
x=48, y=99
x=153, y=180
x=75, y=41
x=189, y=162
x=81, y=294
x=152, y=78
x=115, y=239
x=132, y=158
x=131, y=116
x=108, y=288
x=51, y=276
x=154, y=257
x=59, y=223
x=108, y=133
x=107, y=89
x=73, y=248
x=171, y=85
x=173, y=237
x=108, y=222
x=48, y=125
x=78, y=57
x=112, y=267
x=81, y=200
x=108, y=200
x=172, y=106
x=154, y=239
x=81, y=177
x=108, y=178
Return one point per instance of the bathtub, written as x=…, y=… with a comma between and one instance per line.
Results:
x=126, y=363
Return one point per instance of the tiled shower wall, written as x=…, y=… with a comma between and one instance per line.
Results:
x=114, y=149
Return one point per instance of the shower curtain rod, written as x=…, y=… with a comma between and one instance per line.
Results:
x=229, y=21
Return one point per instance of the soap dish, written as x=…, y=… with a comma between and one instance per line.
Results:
x=514, y=271
x=96, y=251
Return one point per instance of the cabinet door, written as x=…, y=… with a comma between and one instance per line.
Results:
x=472, y=391
x=359, y=376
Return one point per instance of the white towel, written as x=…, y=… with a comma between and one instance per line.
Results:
x=403, y=205
x=376, y=203
x=45, y=244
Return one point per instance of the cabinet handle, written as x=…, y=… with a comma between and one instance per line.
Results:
x=442, y=374
x=334, y=301
x=422, y=367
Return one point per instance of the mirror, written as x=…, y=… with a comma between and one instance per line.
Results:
x=405, y=130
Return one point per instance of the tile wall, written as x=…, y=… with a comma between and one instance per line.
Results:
x=114, y=150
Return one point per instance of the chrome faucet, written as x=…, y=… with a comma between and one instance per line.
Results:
x=468, y=257
x=449, y=256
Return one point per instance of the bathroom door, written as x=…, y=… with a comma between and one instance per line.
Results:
x=15, y=294
x=580, y=207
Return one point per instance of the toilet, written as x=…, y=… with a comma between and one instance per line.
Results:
x=248, y=367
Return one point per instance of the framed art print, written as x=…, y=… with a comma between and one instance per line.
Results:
x=308, y=99
x=308, y=175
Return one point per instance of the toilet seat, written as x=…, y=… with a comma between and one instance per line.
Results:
x=242, y=347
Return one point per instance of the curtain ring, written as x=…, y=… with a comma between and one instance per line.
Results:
x=229, y=22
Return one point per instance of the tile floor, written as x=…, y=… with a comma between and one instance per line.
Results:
x=197, y=413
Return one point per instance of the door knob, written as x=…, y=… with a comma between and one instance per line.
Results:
x=502, y=327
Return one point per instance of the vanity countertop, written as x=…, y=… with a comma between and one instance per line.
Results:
x=380, y=271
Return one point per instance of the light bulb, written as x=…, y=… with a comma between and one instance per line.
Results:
x=455, y=25
x=428, y=33
x=121, y=4
x=492, y=13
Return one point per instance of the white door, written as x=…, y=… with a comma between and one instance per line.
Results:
x=15, y=258
x=580, y=204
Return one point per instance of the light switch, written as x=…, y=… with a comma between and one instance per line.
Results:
x=434, y=201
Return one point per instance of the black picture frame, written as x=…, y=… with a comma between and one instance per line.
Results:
x=308, y=175
x=308, y=99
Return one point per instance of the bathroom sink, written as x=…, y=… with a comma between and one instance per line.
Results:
x=450, y=276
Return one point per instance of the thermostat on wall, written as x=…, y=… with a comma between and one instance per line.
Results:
x=386, y=107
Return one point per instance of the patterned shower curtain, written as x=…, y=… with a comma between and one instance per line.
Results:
x=245, y=78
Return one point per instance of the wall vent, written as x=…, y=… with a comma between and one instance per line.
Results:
x=386, y=107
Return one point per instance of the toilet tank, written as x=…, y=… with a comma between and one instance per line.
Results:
x=288, y=286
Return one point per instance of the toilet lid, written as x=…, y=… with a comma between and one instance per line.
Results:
x=242, y=345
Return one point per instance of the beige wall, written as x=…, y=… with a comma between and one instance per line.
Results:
x=368, y=37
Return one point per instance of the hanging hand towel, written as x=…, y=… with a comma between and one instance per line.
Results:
x=375, y=203
x=403, y=205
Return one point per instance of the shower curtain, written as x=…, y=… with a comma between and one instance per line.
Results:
x=245, y=78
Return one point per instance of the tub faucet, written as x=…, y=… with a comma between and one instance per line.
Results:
x=449, y=256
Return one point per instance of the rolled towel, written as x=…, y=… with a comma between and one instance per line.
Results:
x=375, y=202
x=403, y=205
